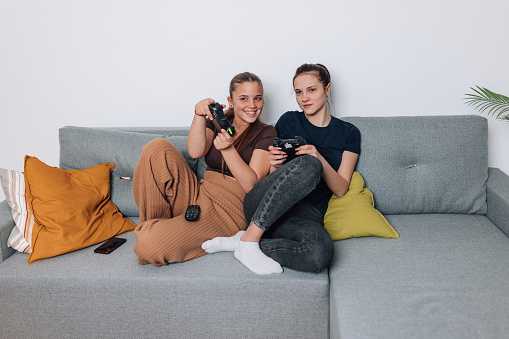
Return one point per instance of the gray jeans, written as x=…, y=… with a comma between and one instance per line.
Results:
x=294, y=233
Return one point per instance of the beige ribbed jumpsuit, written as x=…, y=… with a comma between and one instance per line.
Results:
x=164, y=186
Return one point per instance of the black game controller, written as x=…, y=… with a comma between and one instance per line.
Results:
x=289, y=146
x=217, y=112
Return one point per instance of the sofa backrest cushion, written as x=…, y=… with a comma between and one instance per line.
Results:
x=82, y=147
x=425, y=164
x=411, y=164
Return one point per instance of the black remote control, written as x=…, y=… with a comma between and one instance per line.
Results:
x=217, y=112
x=192, y=213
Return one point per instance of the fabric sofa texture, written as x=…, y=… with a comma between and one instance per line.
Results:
x=444, y=277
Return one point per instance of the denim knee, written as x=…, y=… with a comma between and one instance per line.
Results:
x=311, y=166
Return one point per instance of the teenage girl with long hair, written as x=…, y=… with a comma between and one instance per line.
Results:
x=164, y=185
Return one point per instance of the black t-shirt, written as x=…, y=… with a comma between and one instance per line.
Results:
x=261, y=139
x=330, y=141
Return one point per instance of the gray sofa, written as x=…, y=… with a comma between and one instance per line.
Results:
x=447, y=276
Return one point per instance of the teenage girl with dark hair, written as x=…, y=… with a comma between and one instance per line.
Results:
x=164, y=185
x=285, y=210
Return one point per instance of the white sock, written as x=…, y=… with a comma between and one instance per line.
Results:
x=219, y=244
x=250, y=254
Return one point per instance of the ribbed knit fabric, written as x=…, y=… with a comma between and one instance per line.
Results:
x=164, y=186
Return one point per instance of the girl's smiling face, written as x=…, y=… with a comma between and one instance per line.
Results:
x=247, y=101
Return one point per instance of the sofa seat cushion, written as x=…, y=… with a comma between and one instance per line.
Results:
x=445, y=277
x=97, y=295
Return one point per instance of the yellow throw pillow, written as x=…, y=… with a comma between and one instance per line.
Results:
x=354, y=215
x=72, y=209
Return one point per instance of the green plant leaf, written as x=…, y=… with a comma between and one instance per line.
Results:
x=497, y=104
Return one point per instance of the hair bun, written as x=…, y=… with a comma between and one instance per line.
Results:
x=328, y=73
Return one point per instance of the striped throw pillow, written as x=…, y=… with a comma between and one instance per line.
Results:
x=13, y=184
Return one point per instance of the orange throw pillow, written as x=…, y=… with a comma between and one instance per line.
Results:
x=72, y=209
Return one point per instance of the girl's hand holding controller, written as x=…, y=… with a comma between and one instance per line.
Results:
x=202, y=108
x=223, y=140
x=276, y=156
x=307, y=149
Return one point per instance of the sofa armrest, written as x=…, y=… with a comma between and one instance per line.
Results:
x=497, y=190
x=6, y=225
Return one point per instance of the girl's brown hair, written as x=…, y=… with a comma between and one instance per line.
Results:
x=319, y=70
x=241, y=140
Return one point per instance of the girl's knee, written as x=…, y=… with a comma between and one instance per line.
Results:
x=158, y=150
x=311, y=166
x=156, y=145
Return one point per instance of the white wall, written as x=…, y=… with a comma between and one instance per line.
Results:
x=146, y=63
